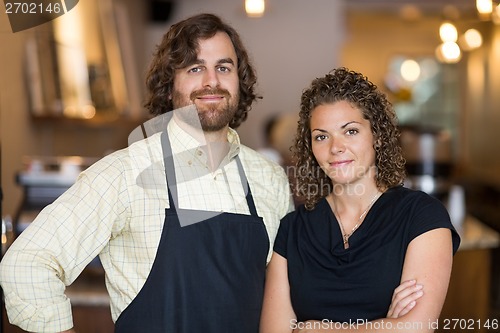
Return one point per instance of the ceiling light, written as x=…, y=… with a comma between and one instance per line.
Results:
x=255, y=8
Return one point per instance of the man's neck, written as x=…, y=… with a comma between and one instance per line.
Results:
x=214, y=143
x=217, y=147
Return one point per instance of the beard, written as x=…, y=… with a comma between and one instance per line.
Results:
x=213, y=117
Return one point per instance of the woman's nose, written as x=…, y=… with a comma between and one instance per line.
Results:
x=337, y=146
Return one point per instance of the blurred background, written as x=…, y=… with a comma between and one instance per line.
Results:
x=71, y=91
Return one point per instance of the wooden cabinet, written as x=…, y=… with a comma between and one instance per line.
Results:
x=468, y=303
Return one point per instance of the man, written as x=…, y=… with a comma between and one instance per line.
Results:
x=183, y=220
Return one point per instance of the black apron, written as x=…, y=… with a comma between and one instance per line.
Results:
x=206, y=276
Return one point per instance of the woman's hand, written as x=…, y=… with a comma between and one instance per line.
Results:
x=404, y=298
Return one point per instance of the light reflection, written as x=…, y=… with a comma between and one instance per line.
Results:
x=496, y=15
x=88, y=112
x=410, y=70
x=412, y=83
x=72, y=62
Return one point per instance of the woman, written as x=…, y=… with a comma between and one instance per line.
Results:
x=338, y=258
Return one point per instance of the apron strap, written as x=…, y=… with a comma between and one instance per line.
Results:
x=245, y=183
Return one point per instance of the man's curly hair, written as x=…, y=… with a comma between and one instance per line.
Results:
x=179, y=49
x=341, y=84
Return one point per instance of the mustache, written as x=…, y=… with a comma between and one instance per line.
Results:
x=210, y=91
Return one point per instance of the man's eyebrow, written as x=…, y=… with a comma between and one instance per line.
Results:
x=220, y=61
x=226, y=61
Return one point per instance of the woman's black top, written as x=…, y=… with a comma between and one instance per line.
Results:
x=328, y=282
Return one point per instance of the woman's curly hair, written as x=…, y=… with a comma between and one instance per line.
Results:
x=179, y=49
x=341, y=84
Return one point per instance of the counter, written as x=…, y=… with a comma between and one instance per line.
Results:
x=469, y=293
x=468, y=296
x=476, y=235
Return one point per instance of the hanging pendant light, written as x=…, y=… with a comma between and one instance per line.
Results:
x=471, y=40
x=448, y=32
x=448, y=52
x=484, y=8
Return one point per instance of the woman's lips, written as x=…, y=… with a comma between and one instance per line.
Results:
x=337, y=164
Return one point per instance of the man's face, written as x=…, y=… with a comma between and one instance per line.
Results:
x=211, y=84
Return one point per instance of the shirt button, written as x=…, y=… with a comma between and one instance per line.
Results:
x=199, y=152
x=190, y=162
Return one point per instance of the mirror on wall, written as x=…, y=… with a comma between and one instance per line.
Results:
x=81, y=65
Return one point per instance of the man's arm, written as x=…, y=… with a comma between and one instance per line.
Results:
x=54, y=249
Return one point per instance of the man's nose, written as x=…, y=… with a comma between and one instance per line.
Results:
x=210, y=78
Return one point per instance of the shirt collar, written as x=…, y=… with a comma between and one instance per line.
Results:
x=183, y=142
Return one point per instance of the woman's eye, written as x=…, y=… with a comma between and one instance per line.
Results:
x=352, y=131
x=320, y=137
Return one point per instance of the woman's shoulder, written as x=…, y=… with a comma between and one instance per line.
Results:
x=423, y=212
x=407, y=195
x=413, y=206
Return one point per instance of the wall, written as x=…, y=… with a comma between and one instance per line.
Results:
x=15, y=130
x=376, y=39
x=290, y=45
x=22, y=136
x=293, y=43
x=481, y=117
x=373, y=38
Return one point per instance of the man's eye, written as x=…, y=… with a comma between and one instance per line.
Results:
x=223, y=69
x=195, y=70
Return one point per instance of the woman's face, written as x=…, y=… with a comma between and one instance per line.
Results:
x=342, y=143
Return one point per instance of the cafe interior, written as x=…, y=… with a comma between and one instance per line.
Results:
x=72, y=89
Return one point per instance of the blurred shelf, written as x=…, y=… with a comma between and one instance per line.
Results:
x=98, y=121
